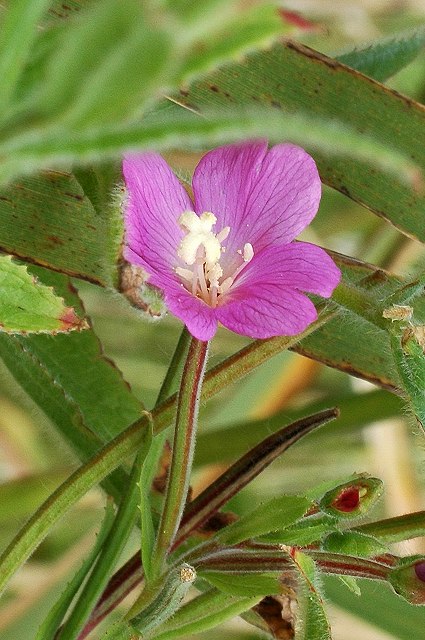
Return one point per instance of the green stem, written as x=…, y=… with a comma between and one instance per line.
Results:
x=183, y=449
x=111, y=551
x=411, y=525
x=150, y=465
x=255, y=559
x=171, y=378
x=115, y=452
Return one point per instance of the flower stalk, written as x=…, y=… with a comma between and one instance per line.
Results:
x=182, y=452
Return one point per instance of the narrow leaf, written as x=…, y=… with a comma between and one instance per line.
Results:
x=244, y=585
x=48, y=629
x=204, y=612
x=105, y=65
x=48, y=219
x=278, y=513
x=20, y=17
x=384, y=58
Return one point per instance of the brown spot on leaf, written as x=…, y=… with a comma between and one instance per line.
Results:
x=70, y=321
x=55, y=240
x=76, y=196
x=214, y=88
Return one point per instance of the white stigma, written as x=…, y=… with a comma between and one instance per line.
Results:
x=199, y=235
x=200, y=248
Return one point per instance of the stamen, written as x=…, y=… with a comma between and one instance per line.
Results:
x=223, y=235
x=247, y=254
x=186, y=274
x=200, y=248
x=201, y=279
x=225, y=285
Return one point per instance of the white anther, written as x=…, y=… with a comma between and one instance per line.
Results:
x=200, y=249
x=214, y=274
x=248, y=252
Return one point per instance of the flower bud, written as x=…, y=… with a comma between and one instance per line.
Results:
x=408, y=579
x=352, y=499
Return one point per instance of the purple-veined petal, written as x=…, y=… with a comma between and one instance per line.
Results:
x=156, y=199
x=298, y=265
x=265, y=197
x=264, y=311
x=199, y=318
x=267, y=300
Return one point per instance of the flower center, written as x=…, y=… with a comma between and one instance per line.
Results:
x=201, y=249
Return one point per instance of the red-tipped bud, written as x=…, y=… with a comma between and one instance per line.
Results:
x=353, y=498
x=408, y=579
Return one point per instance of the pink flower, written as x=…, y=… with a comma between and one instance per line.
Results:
x=229, y=256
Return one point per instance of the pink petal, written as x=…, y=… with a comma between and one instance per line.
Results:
x=264, y=197
x=199, y=318
x=266, y=299
x=155, y=201
x=298, y=265
x=266, y=311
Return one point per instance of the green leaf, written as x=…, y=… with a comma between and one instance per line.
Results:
x=384, y=58
x=244, y=585
x=276, y=514
x=49, y=220
x=28, y=306
x=147, y=529
x=80, y=390
x=312, y=622
x=49, y=627
x=204, y=612
x=236, y=33
x=105, y=65
x=111, y=550
x=353, y=543
x=63, y=498
x=20, y=17
x=351, y=584
x=170, y=126
x=306, y=531
x=293, y=77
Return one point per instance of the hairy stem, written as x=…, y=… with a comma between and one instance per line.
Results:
x=183, y=449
